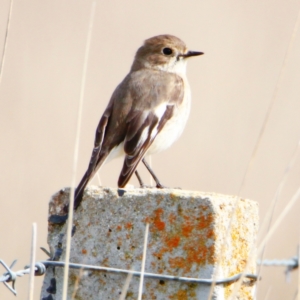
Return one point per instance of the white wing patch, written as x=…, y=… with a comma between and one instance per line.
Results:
x=158, y=112
x=144, y=136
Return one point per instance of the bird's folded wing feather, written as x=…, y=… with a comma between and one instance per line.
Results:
x=155, y=97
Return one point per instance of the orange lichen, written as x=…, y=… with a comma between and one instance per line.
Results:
x=210, y=234
x=128, y=225
x=157, y=222
x=173, y=242
x=183, y=294
x=148, y=220
x=172, y=218
x=204, y=221
x=177, y=262
x=160, y=253
x=240, y=254
x=199, y=254
x=187, y=229
x=84, y=251
x=159, y=225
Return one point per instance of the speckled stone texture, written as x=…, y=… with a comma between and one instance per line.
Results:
x=188, y=236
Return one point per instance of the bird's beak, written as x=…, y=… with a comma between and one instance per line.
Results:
x=191, y=53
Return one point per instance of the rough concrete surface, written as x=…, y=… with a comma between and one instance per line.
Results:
x=188, y=236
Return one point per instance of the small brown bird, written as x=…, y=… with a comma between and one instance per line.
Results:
x=147, y=111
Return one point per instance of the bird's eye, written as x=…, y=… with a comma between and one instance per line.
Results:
x=167, y=51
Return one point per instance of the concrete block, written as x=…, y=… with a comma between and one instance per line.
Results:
x=188, y=236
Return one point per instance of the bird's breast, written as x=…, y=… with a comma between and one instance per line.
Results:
x=175, y=126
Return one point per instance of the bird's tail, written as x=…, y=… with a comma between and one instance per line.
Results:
x=80, y=190
x=89, y=174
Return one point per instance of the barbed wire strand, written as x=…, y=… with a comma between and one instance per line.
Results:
x=291, y=263
x=40, y=269
x=150, y=275
x=76, y=150
x=32, y=260
x=143, y=262
x=11, y=276
x=5, y=40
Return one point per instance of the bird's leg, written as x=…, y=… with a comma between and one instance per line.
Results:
x=158, y=184
x=139, y=178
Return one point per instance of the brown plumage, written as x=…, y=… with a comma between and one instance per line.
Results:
x=147, y=111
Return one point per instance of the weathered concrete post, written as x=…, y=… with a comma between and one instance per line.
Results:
x=187, y=232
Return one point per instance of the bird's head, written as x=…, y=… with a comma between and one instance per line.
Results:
x=163, y=52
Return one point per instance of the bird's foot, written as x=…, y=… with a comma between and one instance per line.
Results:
x=157, y=186
x=160, y=186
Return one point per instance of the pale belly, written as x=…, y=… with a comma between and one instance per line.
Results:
x=173, y=128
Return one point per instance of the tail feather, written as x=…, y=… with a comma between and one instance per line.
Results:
x=80, y=190
x=126, y=173
x=89, y=174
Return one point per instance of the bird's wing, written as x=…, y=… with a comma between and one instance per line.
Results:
x=138, y=109
x=155, y=97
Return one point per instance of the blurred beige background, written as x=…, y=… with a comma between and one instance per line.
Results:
x=233, y=84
